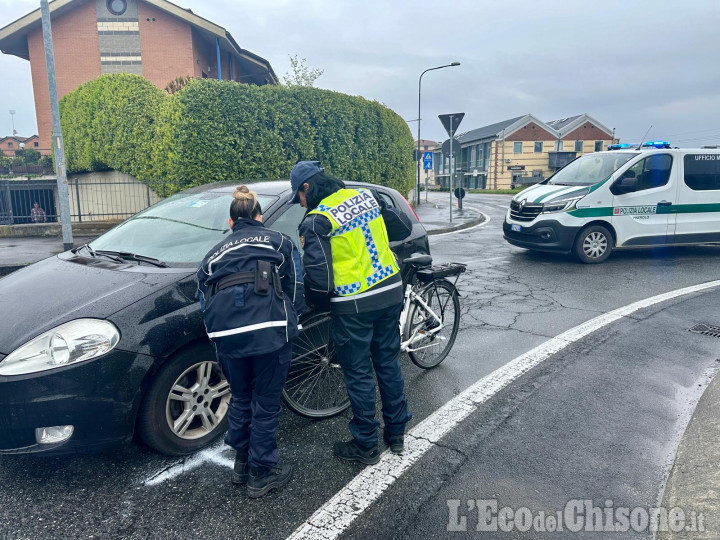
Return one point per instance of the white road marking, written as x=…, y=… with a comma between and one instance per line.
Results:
x=212, y=454
x=330, y=520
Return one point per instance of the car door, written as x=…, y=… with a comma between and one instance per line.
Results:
x=698, y=204
x=643, y=197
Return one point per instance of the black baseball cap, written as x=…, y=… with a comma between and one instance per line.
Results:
x=301, y=172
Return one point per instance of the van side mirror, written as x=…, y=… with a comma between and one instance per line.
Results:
x=627, y=183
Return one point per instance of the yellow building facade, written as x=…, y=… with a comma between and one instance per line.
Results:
x=520, y=151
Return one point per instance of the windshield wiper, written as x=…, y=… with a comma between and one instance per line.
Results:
x=133, y=256
x=86, y=246
x=94, y=253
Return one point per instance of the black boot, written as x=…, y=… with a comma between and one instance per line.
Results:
x=240, y=469
x=352, y=451
x=395, y=442
x=263, y=479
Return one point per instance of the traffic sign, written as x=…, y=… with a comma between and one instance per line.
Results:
x=455, y=148
x=460, y=193
x=427, y=161
x=451, y=122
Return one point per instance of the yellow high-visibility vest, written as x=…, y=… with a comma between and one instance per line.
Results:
x=361, y=255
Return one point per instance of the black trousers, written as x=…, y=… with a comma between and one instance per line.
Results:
x=256, y=383
x=365, y=342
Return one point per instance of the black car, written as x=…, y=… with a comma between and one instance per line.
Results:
x=107, y=341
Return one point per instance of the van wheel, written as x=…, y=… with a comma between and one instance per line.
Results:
x=593, y=244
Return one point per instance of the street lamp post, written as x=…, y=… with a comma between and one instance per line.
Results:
x=417, y=195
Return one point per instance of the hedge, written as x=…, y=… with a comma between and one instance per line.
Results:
x=110, y=123
x=212, y=131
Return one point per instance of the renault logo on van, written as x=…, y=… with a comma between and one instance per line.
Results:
x=522, y=204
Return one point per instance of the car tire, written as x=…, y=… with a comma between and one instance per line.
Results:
x=186, y=406
x=593, y=245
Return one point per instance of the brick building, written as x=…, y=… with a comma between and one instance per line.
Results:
x=521, y=150
x=152, y=38
x=8, y=145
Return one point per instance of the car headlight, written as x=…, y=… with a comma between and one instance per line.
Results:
x=67, y=344
x=563, y=203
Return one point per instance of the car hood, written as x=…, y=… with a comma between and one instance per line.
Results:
x=545, y=192
x=65, y=287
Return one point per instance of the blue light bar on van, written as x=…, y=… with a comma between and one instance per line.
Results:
x=656, y=144
x=621, y=146
x=649, y=144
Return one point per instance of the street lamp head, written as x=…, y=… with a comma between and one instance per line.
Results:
x=455, y=64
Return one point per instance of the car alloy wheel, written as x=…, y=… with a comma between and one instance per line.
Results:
x=198, y=401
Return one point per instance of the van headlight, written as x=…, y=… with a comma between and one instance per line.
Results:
x=563, y=203
x=66, y=344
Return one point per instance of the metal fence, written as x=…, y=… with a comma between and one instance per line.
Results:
x=25, y=162
x=34, y=200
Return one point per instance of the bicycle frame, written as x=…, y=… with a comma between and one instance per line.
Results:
x=412, y=296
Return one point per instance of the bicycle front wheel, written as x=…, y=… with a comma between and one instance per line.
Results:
x=432, y=332
x=315, y=387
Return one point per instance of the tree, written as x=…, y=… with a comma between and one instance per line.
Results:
x=300, y=74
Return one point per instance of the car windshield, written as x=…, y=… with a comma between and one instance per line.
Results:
x=181, y=229
x=590, y=169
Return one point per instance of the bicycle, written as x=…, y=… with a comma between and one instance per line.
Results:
x=429, y=324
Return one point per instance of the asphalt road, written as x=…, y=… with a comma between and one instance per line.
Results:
x=512, y=301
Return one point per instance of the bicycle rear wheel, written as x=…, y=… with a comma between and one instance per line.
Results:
x=429, y=345
x=315, y=387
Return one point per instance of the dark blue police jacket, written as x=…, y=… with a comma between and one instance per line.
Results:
x=238, y=320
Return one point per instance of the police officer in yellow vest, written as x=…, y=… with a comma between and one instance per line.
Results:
x=348, y=264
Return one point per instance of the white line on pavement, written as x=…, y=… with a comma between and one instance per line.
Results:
x=330, y=520
x=212, y=454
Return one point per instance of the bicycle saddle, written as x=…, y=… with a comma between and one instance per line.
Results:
x=418, y=259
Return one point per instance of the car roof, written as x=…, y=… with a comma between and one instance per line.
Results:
x=264, y=187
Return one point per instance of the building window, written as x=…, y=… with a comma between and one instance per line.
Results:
x=10, y=145
x=538, y=147
x=517, y=148
x=598, y=146
x=36, y=144
x=117, y=7
x=578, y=146
x=558, y=146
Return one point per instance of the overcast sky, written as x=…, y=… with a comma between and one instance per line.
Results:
x=630, y=64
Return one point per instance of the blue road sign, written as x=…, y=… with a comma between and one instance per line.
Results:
x=427, y=161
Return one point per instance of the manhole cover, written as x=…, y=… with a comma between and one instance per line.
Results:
x=706, y=329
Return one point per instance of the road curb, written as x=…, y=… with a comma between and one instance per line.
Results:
x=481, y=219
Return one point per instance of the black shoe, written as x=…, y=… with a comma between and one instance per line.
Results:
x=395, y=442
x=240, y=469
x=264, y=479
x=352, y=451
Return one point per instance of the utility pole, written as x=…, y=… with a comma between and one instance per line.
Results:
x=12, y=119
x=57, y=139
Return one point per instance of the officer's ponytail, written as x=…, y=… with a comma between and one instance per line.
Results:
x=245, y=204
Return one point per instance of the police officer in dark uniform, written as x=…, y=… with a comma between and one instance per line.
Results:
x=251, y=292
x=348, y=264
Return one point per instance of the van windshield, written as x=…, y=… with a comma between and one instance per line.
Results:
x=590, y=169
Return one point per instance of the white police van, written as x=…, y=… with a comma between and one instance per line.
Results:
x=649, y=195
